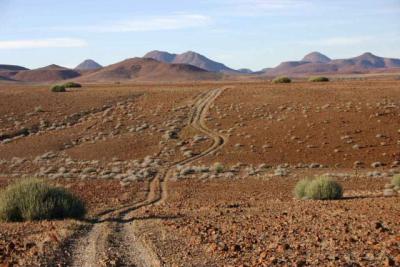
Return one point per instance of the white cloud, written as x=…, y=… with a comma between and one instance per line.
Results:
x=262, y=7
x=42, y=43
x=272, y=4
x=338, y=41
x=145, y=24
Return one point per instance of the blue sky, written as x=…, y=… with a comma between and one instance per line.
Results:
x=240, y=33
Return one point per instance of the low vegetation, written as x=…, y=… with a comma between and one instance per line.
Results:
x=282, y=80
x=62, y=88
x=72, y=85
x=321, y=188
x=58, y=89
x=218, y=167
x=33, y=199
x=318, y=79
x=300, y=189
x=396, y=180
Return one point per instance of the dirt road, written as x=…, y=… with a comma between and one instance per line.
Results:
x=112, y=241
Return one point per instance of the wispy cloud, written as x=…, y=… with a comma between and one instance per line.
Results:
x=42, y=43
x=338, y=41
x=145, y=24
x=261, y=7
x=272, y=4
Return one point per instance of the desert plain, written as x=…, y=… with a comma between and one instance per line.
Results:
x=202, y=173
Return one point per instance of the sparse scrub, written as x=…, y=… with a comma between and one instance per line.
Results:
x=218, y=167
x=33, y=199
x=323, y=188
x=72, y=85
x=300, y=189
x=58, y=89
x=396, y=180
x=318, y=79
x=282, y=80
x=38, y=109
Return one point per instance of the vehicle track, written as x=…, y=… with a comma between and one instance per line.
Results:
x=113, y=240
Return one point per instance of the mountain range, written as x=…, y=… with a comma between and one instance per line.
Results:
x=317, y=63
x=147, y=69
x=190, y=58
x=191, y=66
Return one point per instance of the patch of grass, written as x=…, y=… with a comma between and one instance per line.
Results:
x=300, y=188
x=396, y=180
x=218, y=167
x=58, y=89
x=323, y=188
x=282, y=80
x=32, y=199
x=318, y=79
x=72, y=85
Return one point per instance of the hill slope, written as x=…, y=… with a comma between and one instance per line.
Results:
x=50, y=73
x=4, y=67
x=8, y=71
x=161, y=56
x=146, y=69
x=190, y=58
x=88, y=64
x=317, y=63
x=316, y=57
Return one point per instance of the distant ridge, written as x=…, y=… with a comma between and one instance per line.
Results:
x=317, y=63
x=161, y=56
x=49, y=73
x=8, y=71
x=88, y=64
x=190, y=58
x=147, y=69
x=245, y=71
x=316, y=57
x=4, y=67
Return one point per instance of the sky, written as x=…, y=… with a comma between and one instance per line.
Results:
x=251, y=34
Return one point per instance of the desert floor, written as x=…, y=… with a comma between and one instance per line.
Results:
x=203, y=174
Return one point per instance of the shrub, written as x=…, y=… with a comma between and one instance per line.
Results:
x=396, y=180
x=323, y=188
x=318, y=79
x=282, y=80
x=300, y=189
x=58, y=89
x=218, y=167
x=72, y=85
x=32, y=199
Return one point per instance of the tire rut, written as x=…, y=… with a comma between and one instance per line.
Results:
x=115, y=230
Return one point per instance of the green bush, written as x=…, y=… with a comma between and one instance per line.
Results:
x=218, y=167
x=72, y=85
x=396, y=180
x=300, y=189
x=282, y=80
x=323, y=188
x=318, y=79
x=33, y=199
x=58, y=89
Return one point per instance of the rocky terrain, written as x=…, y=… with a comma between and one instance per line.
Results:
x=202, y=174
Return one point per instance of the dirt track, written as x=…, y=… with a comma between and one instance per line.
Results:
x=112, y=238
